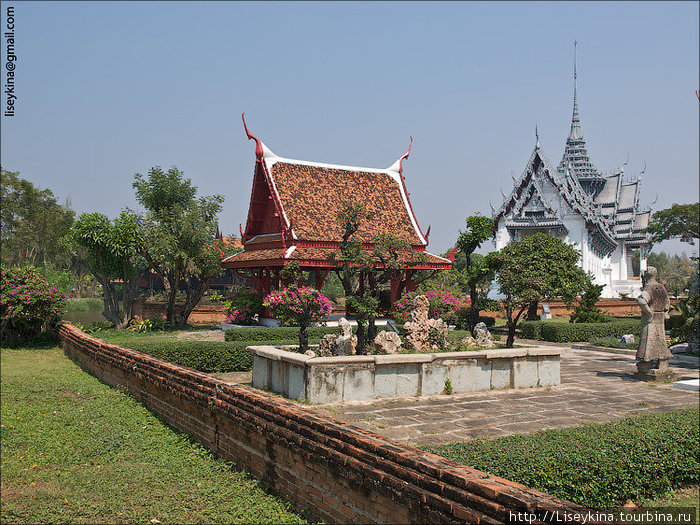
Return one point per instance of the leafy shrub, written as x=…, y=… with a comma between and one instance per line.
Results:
x=244, y=308
x=613, y=342
x=280, y=333
x=489, y=305
x=686, y=325
x=205, y=356
x=215, y=296
x=530, y=329
x=596, y=465
x=558, y=332
x=586, y=310
x=299, y=307
x=148, y=325
x=461, y=317
x=28, y=304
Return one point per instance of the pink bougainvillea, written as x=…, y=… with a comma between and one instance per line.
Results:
x=28, y=303
x=299, y=307
x=292, y=305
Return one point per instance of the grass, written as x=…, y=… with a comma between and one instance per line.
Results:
x=75, y=450
x=685, y=497
x=124, y=337
x=596, y=465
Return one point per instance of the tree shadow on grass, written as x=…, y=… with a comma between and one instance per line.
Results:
x=44, y=341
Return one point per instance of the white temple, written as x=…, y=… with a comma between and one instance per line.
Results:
x=599, y=214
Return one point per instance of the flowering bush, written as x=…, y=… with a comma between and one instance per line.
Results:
x=28, y=303
x=244, y=307
x=442, y=304
x=301, y=307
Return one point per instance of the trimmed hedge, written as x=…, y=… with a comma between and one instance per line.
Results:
x=578, y=332
x=280, y=333
x=596, y=465
x=205, y=356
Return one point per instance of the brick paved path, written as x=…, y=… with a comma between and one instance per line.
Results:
x=595, y=388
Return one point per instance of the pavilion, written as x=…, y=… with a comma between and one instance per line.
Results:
x=292, y=217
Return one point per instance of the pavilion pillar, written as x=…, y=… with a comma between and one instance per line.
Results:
x=395, y=290
x=320, y=277
x=411, y=285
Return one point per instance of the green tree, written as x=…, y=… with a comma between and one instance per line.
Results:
x=350, y=262
x=364, y=273
x=112, y=251
x=32, y=224
x=680, y=221
x=180, y=237
x=385, y=265
x=479, y=229
x=674, y=271
x=532, y=269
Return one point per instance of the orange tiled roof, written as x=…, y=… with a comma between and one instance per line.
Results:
x=313, y=195
x=317, y=255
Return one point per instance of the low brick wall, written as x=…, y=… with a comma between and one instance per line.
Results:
x=332, y=471
x=342, y=378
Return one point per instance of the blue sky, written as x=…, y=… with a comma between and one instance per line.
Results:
x=109, y=89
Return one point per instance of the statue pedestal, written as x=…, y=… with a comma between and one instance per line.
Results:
x=657, y=370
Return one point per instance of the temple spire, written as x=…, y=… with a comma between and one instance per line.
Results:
x=575, y=122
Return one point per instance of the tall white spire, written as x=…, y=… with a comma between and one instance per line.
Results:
x=575, y=122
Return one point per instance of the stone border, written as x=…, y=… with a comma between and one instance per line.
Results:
x=345, y=378
x=331, y=470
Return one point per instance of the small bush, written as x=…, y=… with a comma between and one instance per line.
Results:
x=148, y=325
x=487, y=320
x=244, y=307
x=205, y=356
x=613, y=342
x=596, y=465
x=28, y=304
x=531, y=329
x=557, y=332
x=586, y=310
x=280, y=333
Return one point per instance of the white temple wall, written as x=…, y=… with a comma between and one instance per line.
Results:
x=502, y=235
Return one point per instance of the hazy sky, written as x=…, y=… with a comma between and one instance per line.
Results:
x=108, y=89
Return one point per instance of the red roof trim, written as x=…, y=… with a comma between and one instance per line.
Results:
x=408, y=195
x=258, y=144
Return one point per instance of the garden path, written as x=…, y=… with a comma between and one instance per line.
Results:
x=595, y=387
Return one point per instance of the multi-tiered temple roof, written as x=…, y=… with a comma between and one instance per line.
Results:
x=608, y=204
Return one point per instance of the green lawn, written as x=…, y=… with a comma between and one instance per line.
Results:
x=76, y=450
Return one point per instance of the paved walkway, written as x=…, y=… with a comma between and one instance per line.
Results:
x=595, y=387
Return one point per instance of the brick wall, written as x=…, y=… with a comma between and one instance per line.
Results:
x=332, y=471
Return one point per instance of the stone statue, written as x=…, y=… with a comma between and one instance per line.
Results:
x=652, y=343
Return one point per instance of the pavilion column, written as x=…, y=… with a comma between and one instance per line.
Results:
x=395, y=290
x=320, y=277
x=411, y=285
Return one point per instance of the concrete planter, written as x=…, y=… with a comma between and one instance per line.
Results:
x=336, y=379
